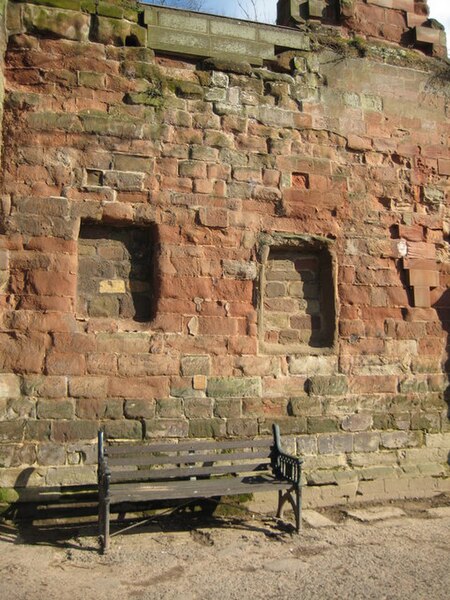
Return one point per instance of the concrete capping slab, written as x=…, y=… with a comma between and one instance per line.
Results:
x=203, y=35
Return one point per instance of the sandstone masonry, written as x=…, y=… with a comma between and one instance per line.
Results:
x=209, y=225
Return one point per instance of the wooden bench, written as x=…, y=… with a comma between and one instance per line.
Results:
x=135, y=473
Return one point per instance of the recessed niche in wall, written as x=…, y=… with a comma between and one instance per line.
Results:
x=297, y=304
x=117, y=275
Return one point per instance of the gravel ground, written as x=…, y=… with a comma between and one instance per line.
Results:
x=236, y=558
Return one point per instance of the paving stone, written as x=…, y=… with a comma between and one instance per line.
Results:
x=316, y=520
x=378, y=513
x=440, y=511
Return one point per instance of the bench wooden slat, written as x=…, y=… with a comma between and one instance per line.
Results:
x=187, y=459
x=138, y=449
x=158, y=474
x=194, y=489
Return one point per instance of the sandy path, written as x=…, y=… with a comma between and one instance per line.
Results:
x=248, y=559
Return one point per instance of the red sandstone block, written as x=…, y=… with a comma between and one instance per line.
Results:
x=242, y=345
x=75, y=342
x=117, y=212
x=219, y=171
x=139, y=388
x=252, y=143
x=410, y=330
x=354, y=294
x=218, y=326
x=220, y=189
x=411, y=233
x=186, y=288
x=176, y=184
x=188, y=135
x=348, y=328
x=87, y=387
x=192, y=168
x=302, y=120
x=49, y=283
x=141, y=365
x=213, y=217
x=91, y=408
x=423, y=278
x=383, y=3
x=375, y=384
x=421, y=250
x=364, y=346
x=46, y=303
x=271, y=177
x=444, y=166
x=247, y=174
x=101, y=363
x=168, y=323
x=422, y=297
x=427, y=35
x=417, y=263
x=65, y=363
x=283, y=387
x=356, y=142
x=203, y=186
x=431, y=346
x=233, y=290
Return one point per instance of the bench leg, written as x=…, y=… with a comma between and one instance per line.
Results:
x=296, y=504
x=298, y=508
x=105, y=524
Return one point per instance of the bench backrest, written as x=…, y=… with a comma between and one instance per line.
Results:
x=168, y=461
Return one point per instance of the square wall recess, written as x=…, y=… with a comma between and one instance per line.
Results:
x=117, y=272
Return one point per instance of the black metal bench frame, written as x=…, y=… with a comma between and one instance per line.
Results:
x=135, y=473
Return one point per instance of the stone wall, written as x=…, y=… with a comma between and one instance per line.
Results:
x=404, y=22
x=199, y=247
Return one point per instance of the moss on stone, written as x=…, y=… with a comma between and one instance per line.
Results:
x=150, y=97
x=227, y=66
x=185, y=89
x=8, y=496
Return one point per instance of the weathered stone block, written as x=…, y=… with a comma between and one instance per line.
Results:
x=322, y=425
x=307, y=445
x=198, y=408
x=321, y=385
x=207, y=428
x=366, y=442
x=429, y=422
x=234, y=387
x=357, y=422
x=399, y=439
x=55, y=409
x=9, y=386
x=123, y=430
x=240, y=270
x=58, y=23
x=138, y=409
x=171, y=408
x=229, y=408
x=71, y=431
x=242, y=428
x=313, y=365
x=170, y=428
x=45, y=386
x=335, y=444
x=51, y=454
x=38, y=430
x=195, y=365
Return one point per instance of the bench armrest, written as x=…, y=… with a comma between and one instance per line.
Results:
x=285, y=466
